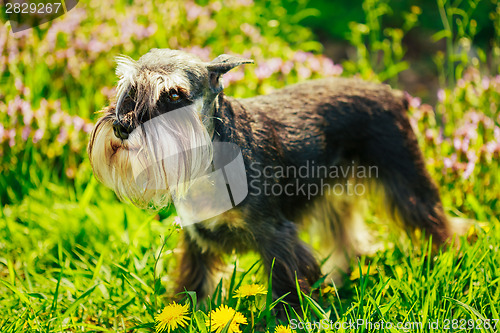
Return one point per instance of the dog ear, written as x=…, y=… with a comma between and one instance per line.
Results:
x=221, y=65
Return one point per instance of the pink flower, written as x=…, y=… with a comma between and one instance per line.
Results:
x=202, y=52
x=56, y=118
x=457, y=143
x=440, y=137
x=233, y=76
x=485, y=82
x=467, y=131
x=471, y=155
x=491, y=146
x=38, y=135
x=415, y=102
x=96, y=46
x=469, y=169
x=287, y=67
x=314, y=64
x=441, y=95
x=447, y=162
x=87, y=128
x=274, y=64
x=245, y=3
x=194, y=11
x=331, y=69
x=78, y=123
x=250, y=31
x=474, y=117
x=304, y=72
x=11, y=135
x=25, y=133
x=465, y=144
x=27, y=114
x=177, y=221
x=19, y=86
x=68, y=120
x=14, y=106
x=301, y=56
x=108, y=92
x=263, y=71
x=43, y=106
x=414, y=124
x=63, y=135
x=429, y=134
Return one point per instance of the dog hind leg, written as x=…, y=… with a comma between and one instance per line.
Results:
x=411, y=194
x=339, y=220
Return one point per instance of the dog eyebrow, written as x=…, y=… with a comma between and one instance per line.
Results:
x=185, y=93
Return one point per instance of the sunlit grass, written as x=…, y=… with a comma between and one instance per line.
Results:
x=75, y=264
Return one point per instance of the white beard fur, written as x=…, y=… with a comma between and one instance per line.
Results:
x=155, y=165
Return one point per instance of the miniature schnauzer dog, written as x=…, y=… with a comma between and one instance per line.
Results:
x=170, y=103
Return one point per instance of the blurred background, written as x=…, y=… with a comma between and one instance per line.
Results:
x=59, y=227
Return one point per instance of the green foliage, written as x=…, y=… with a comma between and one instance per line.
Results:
x=459, y=30
x=98, y=265
x=379, y=50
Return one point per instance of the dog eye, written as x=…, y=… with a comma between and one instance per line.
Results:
x=174, y=96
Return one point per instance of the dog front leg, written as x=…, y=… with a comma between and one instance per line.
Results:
x=197, y=268
x=293, y=261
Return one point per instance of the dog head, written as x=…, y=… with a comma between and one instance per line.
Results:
x=157, y=136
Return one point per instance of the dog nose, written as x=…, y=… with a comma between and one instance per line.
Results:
x=121, y=130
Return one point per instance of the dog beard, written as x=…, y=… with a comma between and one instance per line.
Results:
x=158, y=161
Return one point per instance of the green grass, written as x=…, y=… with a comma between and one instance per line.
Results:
x=83, y=262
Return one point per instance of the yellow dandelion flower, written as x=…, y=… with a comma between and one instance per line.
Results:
x=250, y=290
x=172, y=316
x=328, y=290
x=223, y=315
x=282, y=329
x=365, y=270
